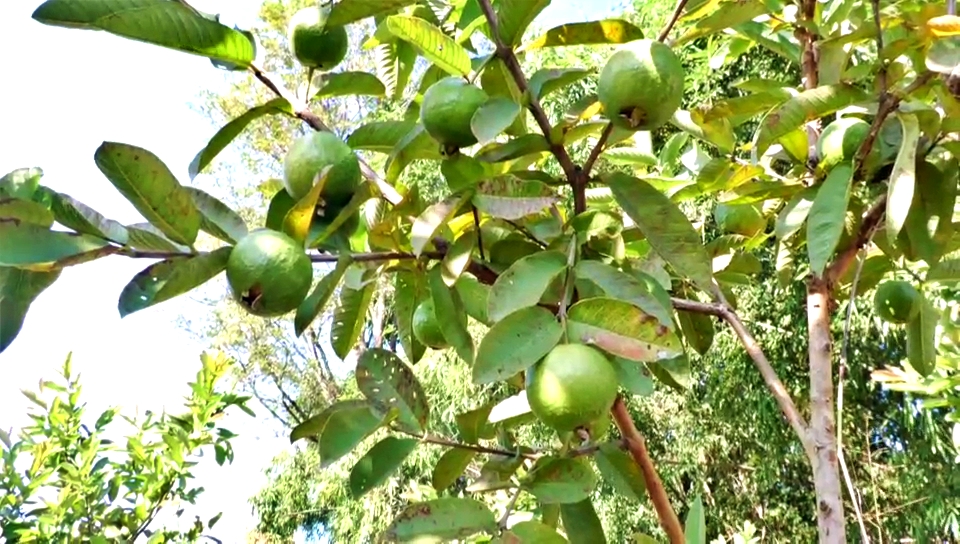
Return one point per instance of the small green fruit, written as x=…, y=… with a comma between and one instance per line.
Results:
x=744, y=219
x=447, y=109
x=840, y=141
x=312, y=153
x=315, y=45
x=641, y=85
x=573, y=386
x=426, y=326
x=269, y=273
x=897, y=302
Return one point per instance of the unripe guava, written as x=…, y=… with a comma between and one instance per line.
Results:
x=897, y=301
x=269, y=273
x=447, y=108
x=315, y=45
x=426, y=326
x=312, y=153
x=840, y=141
x=744, y=219
x=641, y=85
x=573, y=386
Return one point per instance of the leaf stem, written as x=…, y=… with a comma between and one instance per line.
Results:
x=597, y=149
x=506, y=511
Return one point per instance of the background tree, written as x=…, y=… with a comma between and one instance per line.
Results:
x=573, y=226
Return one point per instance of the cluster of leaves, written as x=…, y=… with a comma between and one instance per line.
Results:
x=67, y=479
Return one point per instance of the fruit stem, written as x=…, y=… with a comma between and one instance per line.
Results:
x=306, y=93
x=637, y=447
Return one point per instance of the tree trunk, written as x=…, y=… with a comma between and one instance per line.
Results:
x=822, y=431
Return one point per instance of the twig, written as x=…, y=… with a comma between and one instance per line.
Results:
x=871, y=220
x=526, y=232
x=506, y=512
x=476, y=225
x=314, y=257
x=841, y=375
x=302, y=111
x=441, y=441
x=882, y=74
x=595, y=153
x=638, y=450
x=507, y=55
x=673, y=20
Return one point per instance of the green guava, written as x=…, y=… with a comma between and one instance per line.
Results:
x=447, y=108
x=269, y=273
x=744, y=219
x=426, y=326
x=312, y=153
x=641, y=85
x=897, y=301
x=313, y=43
x=572, y=387
x=840, y=141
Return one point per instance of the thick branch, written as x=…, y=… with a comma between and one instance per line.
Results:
x=673, y=20
x=303, y=112
x=871, y=220
x=637, y=447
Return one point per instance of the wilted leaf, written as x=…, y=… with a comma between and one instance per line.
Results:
x=390, y=384
x=827, y=214
x=231, y=130
x=621, y=329
x=509, y=197
x=515, y=343
x=524, y=283
x=441, y=520
x=169, y=278
x=379, y=463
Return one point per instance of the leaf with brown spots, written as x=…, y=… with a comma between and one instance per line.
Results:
x=621, y=329
x=441, y=520
x=389, y=383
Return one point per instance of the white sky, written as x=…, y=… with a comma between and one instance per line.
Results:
x=63, y=93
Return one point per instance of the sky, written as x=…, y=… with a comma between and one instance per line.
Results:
x=64, y=93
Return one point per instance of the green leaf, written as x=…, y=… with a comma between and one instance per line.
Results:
x=727, y=15
x=350, y=84
x=673, y=372
x=18, y=289
x=946, y=271
x=318, y=234
x=827, y=216
x=695, y=529
x=514, y=16
x=608, y=31
x=794, y=213
x=441, y=520
x=621, y=471
x=349, y=317
x=531, y=532
x=231, y=130
x=314, y=304
x=581, y=523
x=79, y=217
x=474, y=296
x=697, y=329
x=379, y=463
x=148, y=184
x=425, y=226
x=410, y=147
x=16, y=211
x=515, y=343
x=666, y=227
x=408, y=292
x=23, y=244
x=621, y=329
x=431, y=43
x=922, y=339
x=174, y=25
x=390, y=384
x=218, y=219
x=345, y=12
x=462, y=172
x=620, y=285
x=457, y=258
x=718, y=132
x=21, y=183
x=494, y=117
x=903, y=177
x=548, y=80
x=383, y=136
x=169, y=278
x=451, y=316
x=497, y=80
x=806, y=106
x=348, y=424
x=630, y=156
x=509, y=197
x=451, y=466
x=528, y=144
x=929, y=225
x=524, y=283
x=633, y=377
x=394, y=62
x=558, y=480
x=147, y=237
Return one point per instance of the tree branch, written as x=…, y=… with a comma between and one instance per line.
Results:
x=314, y=257
x=302, y=111
x=638, y=450
x=868, y=225
x=673, y=20
x=598, y=149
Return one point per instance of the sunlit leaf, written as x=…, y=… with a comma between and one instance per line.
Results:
x=349, y=84
x=622, y=286
x=24, y=244
x=727, y=15
x=515, y=343
x=695, y=529
x=390, y=384
x=440, y=520
x=431, y=219
x=806, y=106
x=345, y=12
x=17, y=211
x=903, y=178
x=621, y=329
x=170, y=278
x=231, y=130
x=509, y=197
x=609, y=31
x=349, y=317
x=316, y=302
x=827, y=214
x=379, y=463
x=434, y=45
x=524, y=283
x=18, y=289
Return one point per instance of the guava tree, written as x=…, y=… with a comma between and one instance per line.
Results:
x=582, y=268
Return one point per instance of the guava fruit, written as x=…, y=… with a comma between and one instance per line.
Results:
x=426, y=326
x=572, y=386
x=310, y=154
x=447, y=108
x=313, y=43
x=840, y=141
x=641, y=85
x=269, y=273
x=744, y=219
x=897, y=301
